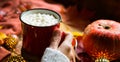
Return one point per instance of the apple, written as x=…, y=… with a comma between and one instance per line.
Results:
x=102, y=39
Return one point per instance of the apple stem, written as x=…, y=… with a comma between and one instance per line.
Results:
x=106, y=27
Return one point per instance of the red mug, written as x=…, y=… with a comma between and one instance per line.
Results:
x=37, y=38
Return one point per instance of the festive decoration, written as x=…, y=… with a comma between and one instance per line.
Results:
x=15, y=58
x=10, y=42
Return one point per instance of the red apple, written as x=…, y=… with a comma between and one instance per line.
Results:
x=102, y=39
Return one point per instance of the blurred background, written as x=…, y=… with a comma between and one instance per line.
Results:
x=75, y=13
